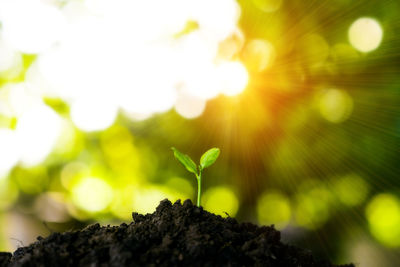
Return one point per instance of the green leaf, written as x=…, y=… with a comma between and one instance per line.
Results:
x=185, y=160
x=209, y=157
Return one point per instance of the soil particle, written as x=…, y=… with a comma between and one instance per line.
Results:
x=5, y=258
x=174, y=235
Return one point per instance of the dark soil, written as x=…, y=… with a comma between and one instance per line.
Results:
x=174, y=235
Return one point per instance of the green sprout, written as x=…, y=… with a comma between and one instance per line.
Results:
x=206, y=160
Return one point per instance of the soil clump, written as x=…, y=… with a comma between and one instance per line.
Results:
x=174, y=235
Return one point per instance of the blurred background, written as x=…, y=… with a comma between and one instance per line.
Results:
x=302, y=97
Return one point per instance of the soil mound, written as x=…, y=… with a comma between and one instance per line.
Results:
x=174, y=235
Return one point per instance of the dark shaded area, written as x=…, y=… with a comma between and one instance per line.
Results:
x=5, y=258
x=174, y=235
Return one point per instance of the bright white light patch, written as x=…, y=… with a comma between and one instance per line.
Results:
x=37, y=132
x=365, y=34
x=203, y=82
x=216, y=18
x=31, y=26
x=38, y=127
x=92, y=114
x=197, y=72
x=234, y=78
x=189, y=107
x=9, y=58
x=20, y=99
x=92, y=194
x=9, y=153
x=130, y=53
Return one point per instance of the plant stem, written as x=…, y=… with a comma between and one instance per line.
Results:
x=198, y=189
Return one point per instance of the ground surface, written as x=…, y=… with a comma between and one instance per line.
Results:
x=174, y=235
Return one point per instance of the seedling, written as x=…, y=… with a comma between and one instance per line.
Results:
x=206, y=160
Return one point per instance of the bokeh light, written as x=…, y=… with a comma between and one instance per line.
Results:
x=69, y=142
x=221, y=200
x=37, y=132
x=93, y=115
x=186, y=60
x=72, y=173
x=10, y=59
x=182, y=185
x=9, y=154
x=234, y=76
x=383, y=214
x=92, y=194
x=274, y=208
x=313, y=205
x=258, y=54
x=216, y=19
x=146, y=199
x=352, y=189
x=316, y=50
x=365, y=34
x=189, y=107
x=229, y=48
x=268, y=5
x=122, y=205
x=335, y=105
x=32, y=29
